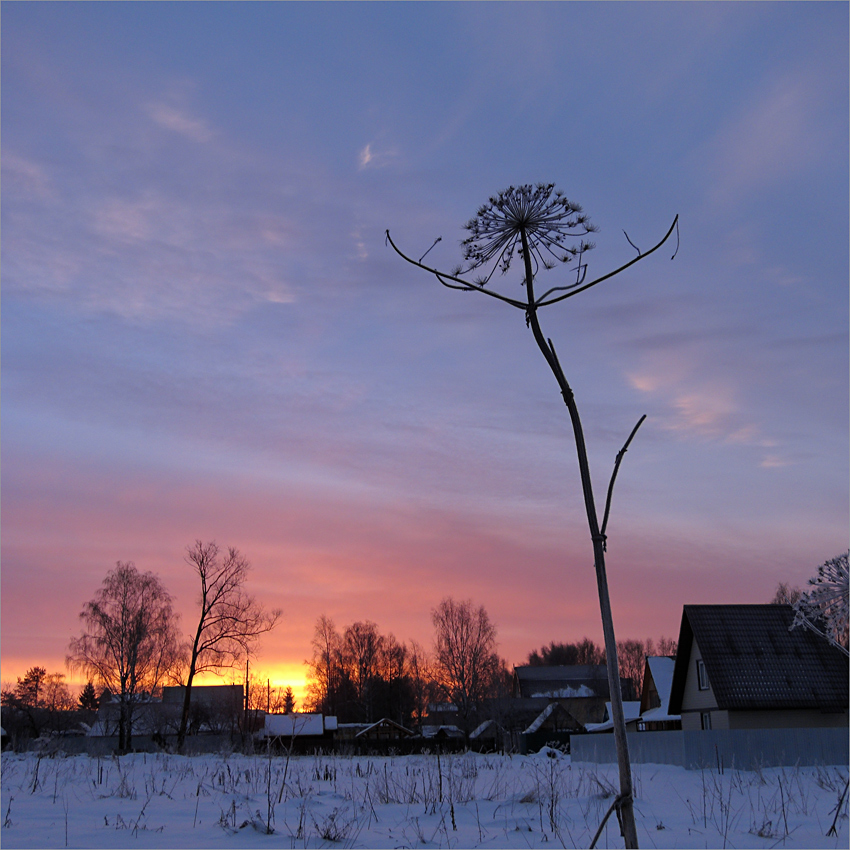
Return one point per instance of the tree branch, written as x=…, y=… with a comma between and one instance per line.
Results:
x=614, y=473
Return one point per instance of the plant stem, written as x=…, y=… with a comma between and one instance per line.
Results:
x=626, y=798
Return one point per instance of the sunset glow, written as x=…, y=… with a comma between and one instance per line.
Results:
x=205, y=336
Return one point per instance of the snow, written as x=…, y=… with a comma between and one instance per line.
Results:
x=631, y=711
x=292, y=725
x=541, y=800
x=661, y=667
x=567, y=692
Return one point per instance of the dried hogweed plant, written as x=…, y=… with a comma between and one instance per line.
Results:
x=542, y=228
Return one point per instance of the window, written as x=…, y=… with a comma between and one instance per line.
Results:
x=702, y=676
x=705, y=719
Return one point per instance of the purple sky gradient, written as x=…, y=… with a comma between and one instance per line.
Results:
x=205, y=336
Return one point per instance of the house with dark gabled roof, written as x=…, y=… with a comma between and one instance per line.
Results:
x=743, y=667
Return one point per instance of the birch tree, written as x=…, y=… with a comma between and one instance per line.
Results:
x=130, y=640
x=542, y=229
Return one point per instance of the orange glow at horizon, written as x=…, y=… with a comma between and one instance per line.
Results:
x=278, y=676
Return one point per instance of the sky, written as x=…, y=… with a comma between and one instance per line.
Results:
x=206, y=337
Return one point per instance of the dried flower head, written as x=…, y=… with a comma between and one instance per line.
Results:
x=544, y=214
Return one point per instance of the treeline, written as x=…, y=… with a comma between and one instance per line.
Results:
x=360, y=675
x=40, y=704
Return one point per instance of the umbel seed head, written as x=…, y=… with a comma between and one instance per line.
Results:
x=543, y=213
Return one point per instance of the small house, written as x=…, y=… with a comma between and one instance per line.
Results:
x=554, y=725
x=744, y=667
x=655, y=696
x=298, y=730
x=384, y=730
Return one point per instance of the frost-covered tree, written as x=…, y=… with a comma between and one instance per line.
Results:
x=823, y=607
x=541, y=228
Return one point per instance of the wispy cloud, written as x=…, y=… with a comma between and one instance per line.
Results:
x=180, y=121
x=372, y=157
x=776, y=134
x=24, y=177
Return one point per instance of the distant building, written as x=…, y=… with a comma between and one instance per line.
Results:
x=582, y=689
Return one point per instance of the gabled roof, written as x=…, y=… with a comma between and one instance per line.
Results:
x=754, y=661
x=659, y=670
x=559, y=716
x=484, y=727
x=384, y=723
x=631, y=712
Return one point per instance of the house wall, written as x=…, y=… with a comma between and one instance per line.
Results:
x=692, y=720
x=800, y=719
x=692, y=697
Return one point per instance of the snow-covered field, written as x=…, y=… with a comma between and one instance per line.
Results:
x=456, y=801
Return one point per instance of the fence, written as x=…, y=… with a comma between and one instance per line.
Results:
x=743, y=748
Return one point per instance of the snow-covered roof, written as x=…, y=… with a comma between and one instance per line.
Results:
x=631, y=711
x=449, y=731
x=480, y=730
x=541, y=718
x=553, y=708
x=292, y=725
x=383, y=722
x=661, y=667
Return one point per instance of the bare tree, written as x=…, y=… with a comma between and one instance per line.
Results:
x=420, y=682
x=823, y=609
x=363, y=646
x=230, y=620
x=130, y=640
x=325, y=668
x=632, y=655
x=465, y=662
x=786, y=594
x=534, y=224
x=667, y=646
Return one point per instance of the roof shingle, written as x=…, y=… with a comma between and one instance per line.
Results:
x=754, y=660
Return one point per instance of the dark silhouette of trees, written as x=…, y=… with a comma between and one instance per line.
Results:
x=40, y=702
x=361, y=675
x=466, y=667
x=288, y=701
x=362, y=645
x=535, y=224
x=88, y=700
x=583, y=652
x=129, y=642
x=230, y=619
